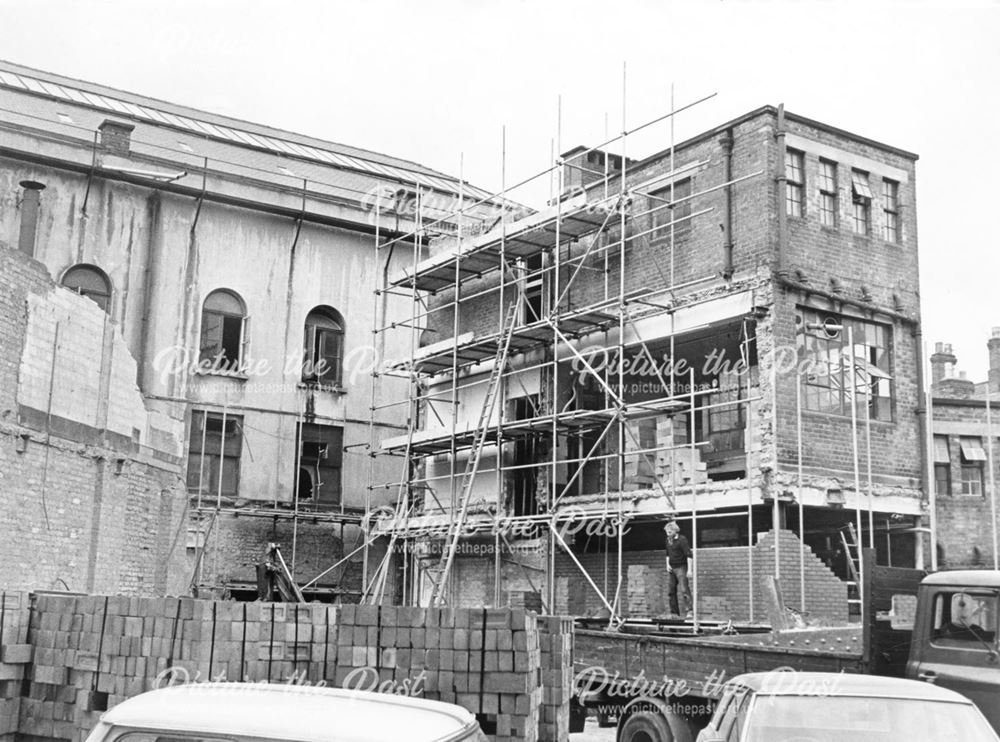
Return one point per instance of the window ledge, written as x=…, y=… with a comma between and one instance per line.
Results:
x=223, y=374
x=316, y=386
x=846, y=418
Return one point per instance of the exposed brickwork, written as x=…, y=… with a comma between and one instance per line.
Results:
x=87, y=505
x=723, y=587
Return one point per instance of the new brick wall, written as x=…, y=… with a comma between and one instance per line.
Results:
x=723, y=587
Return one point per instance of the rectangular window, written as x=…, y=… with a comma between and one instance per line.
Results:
x=828, y=383
x=861, y=203
x=942, y=465
x=828, y=193
x=214, y=447
x=965, y=620
x=973, y=457
x=532, y=310
x=890, y=210
x=321, y=455
x=672, y=205
x=794, y=182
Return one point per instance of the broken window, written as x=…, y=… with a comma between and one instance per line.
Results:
x=672, y=204
x=533, y=283
x=223, y=332
x=973, y=457
x=942, y=465
x=323, y=355
x=795, y=181
x=523, y=471
x=214, y=448
x=321, y=453
x=861, y=200
x=828, y=193
x=323, y=351
x=890, y=210
x=89, y=281
x=825, y=365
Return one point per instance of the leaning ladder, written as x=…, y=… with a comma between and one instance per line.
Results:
x=849, y=540
x=439, y=575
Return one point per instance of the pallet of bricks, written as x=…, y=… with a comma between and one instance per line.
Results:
x=92, y=652
x=486, y=660
x=15, y=658
x=555, y=636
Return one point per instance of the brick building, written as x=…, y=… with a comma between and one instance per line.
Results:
x=187, y=314
x=963, y=436
x=672, y=339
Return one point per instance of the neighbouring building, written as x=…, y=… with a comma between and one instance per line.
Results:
x=964, y=448
x=688, y=345
x=187, y=353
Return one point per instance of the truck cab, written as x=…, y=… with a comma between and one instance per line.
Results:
x=955, y=632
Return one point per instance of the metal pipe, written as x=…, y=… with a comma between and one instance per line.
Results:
x=727, y=215
x=781, y=180
x=992, y=478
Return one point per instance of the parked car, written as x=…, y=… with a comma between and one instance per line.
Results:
x=834, y=707
x=252, y=712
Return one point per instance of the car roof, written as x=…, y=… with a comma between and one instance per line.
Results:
x=790, y=683
x=964, y=577
x=290, y=712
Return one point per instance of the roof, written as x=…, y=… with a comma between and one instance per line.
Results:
x=74, y=109
x=964, y=577
x=843, y=684
x=291, y=712
x=768, y=110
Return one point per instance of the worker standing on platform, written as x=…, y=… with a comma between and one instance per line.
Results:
x=678, y=562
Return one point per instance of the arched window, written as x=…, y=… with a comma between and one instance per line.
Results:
x=223, y=331
x=323, y=356
x=89, y=281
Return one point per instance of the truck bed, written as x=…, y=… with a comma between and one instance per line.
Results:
x=630, y=663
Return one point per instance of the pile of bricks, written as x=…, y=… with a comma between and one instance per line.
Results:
x=15, y=655
x=645, y=591
x=84, y=654
x=677, y=465
x=556, y=641
x=486, y=660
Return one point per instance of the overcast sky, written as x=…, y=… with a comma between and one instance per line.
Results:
x=437, y=81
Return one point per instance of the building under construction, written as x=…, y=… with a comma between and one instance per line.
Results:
x=725, y=333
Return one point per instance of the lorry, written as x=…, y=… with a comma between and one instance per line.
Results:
x=662, y=686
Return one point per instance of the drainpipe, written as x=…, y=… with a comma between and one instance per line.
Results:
x=780, y=178
x=923, y=434
x=727, y=215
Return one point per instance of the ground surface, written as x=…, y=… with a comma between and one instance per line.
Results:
x=593, y=733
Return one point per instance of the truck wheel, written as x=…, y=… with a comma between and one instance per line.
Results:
x=645, y=726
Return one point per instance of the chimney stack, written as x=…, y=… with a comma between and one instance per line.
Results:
x=994, y=346
x=116, y=136
x=943, y=363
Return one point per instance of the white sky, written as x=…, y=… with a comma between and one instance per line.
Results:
x=432, y=81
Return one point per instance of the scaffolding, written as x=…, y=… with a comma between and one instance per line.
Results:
x=527, y=434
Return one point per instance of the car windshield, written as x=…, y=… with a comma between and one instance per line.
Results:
x=839, y=718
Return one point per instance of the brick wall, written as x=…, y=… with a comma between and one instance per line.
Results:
x=965, y=522
x=723, y=587
x=88, y=504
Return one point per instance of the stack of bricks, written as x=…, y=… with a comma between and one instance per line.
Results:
x=15, y=657
x=640, y=436
x=645, y=591
x=555, y=634
x=92, y=652
x=678, y=464
x=84, y=654
x=485, y=660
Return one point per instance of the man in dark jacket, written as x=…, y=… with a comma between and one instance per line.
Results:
x=678, y=562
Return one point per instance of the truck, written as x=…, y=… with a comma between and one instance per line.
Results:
x=661, y=685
